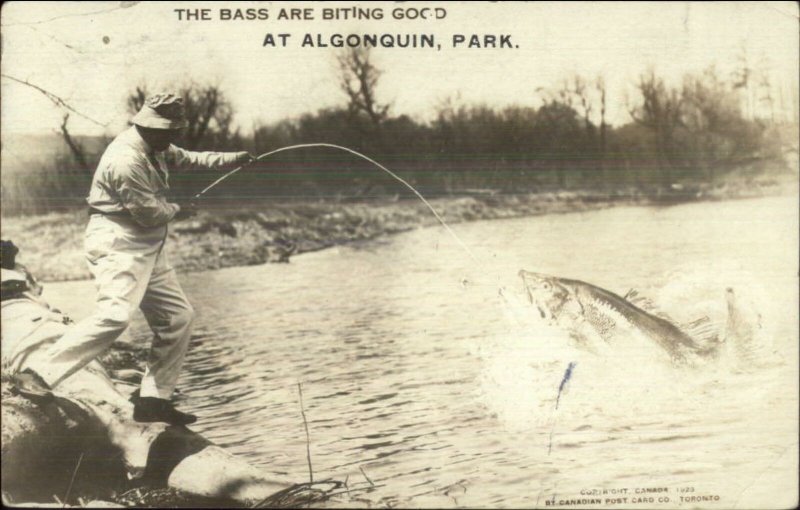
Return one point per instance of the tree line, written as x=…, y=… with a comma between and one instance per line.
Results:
x=690, y=133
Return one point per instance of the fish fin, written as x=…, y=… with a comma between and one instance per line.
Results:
x=633, y=297
x=703, y=331
x=646, y=304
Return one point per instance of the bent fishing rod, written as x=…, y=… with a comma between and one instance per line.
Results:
x=355, y=153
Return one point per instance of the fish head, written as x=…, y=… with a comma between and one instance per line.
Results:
x=551, y=295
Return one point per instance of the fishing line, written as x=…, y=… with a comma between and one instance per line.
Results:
x=362, y=156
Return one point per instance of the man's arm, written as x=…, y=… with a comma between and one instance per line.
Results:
x=181, y=159
x=137, y=196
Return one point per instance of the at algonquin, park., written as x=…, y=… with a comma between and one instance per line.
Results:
x=553, y=274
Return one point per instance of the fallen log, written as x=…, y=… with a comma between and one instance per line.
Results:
x=91, y=419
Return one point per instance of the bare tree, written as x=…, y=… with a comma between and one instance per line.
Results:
x=359, y=79
x=716, y=133
x=54, y=98
x=660, y=112
x=765, y=95
x=582, y=91
x=564, y=94
x=581, y=95
x=600, y=85
x=742, y=78
x=576, y=92
x=75, y=147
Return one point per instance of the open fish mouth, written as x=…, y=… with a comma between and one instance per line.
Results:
x=542, y=311
x=526, y=287
x=529, y=293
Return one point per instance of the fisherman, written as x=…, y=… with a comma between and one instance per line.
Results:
x=124, y=247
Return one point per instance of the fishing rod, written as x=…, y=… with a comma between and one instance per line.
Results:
x=355, y=153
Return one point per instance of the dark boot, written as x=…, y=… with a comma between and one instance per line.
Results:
x=151, y=409
x=30, y=385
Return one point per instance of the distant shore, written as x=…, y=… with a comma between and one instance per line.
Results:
x=220, y=236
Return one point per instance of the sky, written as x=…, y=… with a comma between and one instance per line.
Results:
x=93, y=54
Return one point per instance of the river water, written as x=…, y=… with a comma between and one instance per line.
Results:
x=417, y=376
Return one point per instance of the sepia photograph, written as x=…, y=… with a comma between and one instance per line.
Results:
x=400, y=254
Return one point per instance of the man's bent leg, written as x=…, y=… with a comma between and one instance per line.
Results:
x=170, y=316
x=84, y=342
x=121, y=281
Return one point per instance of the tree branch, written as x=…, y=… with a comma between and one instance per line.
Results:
x=75, y=148
x=58, y=101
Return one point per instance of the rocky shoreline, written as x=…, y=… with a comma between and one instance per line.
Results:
x=226, y=235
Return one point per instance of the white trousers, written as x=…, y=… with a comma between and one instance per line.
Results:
x=131, y=270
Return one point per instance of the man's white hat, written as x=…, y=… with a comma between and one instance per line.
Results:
x=161, y=111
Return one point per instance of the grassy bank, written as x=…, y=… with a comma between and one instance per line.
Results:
x=225, y=234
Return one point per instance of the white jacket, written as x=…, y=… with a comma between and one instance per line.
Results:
x=133, y=177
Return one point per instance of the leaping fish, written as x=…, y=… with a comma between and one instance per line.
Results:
x=574, y=306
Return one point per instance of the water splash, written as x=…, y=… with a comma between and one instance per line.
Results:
x=743, y=308
x=630, y=376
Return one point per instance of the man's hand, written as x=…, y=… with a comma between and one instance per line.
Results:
x=243, y=158
x=187, y=210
